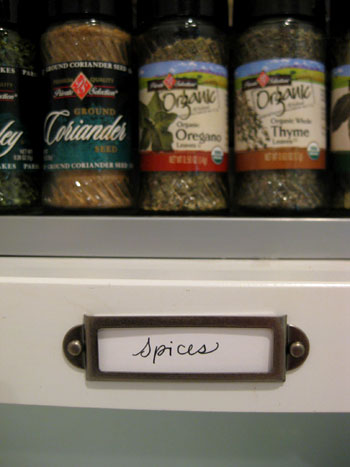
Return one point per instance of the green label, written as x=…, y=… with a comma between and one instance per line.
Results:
x=340, y=119
x=17, y=125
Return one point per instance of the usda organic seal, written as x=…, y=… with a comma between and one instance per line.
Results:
x=217, y=155
x=313, y=151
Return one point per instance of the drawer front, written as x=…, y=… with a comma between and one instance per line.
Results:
x=43, y=298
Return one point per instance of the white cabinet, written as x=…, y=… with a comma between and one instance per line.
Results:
x=43, y=297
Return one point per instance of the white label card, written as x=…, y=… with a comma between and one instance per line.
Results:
x=185, y=350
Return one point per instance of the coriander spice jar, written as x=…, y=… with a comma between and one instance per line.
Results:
x=87, y=129
x=183, y=111
x=280, y=106
x=19, y=133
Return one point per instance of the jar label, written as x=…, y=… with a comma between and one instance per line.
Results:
x=340, y=118
x=280, y=115
x=88, y=122
x=183, y=117
x=17, y=126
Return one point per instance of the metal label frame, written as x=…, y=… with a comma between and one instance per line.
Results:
x=290, y=345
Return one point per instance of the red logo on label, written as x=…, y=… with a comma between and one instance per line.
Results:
x=81, y=86
x=263, y=79
x=169, y=81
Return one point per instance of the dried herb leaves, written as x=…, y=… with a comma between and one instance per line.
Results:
x=18, y=188
x=275, y=190
x=176, y=191
x=340, y=114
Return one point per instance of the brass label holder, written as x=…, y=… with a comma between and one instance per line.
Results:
x=112, y=348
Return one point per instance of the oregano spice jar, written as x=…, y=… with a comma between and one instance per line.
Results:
x=87, y=130
x=340, y=107
x=183, y=118
x=19, y=132
x=280, y=106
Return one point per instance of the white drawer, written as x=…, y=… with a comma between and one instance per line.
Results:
x=42, y=298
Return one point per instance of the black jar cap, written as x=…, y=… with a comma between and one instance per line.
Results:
x=149, y=11
x=338, y=18
x=9, y=11
x=119, y=11
x=19, y=14
x=14, y=12
x=248, y=11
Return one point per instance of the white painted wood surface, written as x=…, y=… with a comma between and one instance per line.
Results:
x=42, y=298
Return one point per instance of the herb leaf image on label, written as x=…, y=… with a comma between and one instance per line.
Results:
x=340, y=112
x=249, y=125
x=183, y=127
x=340, y=136
x=279, y=130
x=154, y=124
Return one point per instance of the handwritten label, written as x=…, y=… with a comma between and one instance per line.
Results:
x=185, y=350
x=181, y=349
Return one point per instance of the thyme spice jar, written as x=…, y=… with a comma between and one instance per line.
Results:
x=19, y=134
x=340, y=107
x=87, y=135
x=280, y=108
x=183, y=121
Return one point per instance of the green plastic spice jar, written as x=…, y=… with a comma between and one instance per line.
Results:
x=19, y=132
x=87, y=128
x=280, y=106
x=183, y=113
x=340, y=107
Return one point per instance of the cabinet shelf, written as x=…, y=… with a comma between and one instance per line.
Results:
x=175, y=237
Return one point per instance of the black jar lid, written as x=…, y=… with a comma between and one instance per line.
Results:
x=9, y=11
x=119, y=11
x=338, y=18
x=14, y=12
x=149, y=11
x=19, y=14
x=247, y=11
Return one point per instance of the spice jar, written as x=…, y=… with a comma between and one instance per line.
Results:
x=340, y=107
x=19, y=134
x=280, y=106
x=183, y=121
x=87, y=134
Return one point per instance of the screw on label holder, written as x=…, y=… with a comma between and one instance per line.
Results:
x=298, y=347
x=74, y=346
x=290, y=345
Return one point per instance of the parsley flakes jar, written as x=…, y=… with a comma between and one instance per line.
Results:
x=19, y=129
